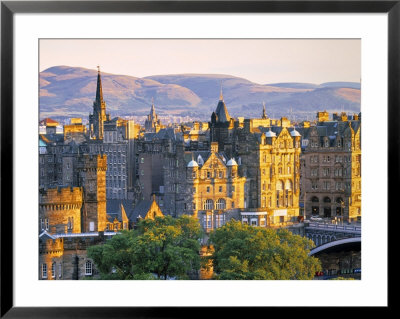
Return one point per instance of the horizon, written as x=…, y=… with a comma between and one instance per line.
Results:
x=196, y=74
x=260, y=61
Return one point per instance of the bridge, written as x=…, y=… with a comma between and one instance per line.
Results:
x=323, y=233
x=338, y=245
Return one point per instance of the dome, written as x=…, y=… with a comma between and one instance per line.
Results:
x=231, y=162
x=294, y=133
x=270, y=134
x=192, y=163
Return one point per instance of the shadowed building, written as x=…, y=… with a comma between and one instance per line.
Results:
x=331, y=168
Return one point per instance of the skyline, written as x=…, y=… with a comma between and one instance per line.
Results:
x=262, y=61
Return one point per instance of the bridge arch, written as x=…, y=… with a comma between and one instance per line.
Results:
x=355, y=241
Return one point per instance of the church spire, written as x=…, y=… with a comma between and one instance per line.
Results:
x=152, y=109
x=221, y=97
x=99, y=90
x=264, y=115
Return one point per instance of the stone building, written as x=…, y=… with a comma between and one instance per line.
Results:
x=150, y=152
x=92, y=177
x=119, y=146
x=212, y=188
x=60, y=210
x=64, y=256
x=331, y=167
x=222, y=127
x=270, y=157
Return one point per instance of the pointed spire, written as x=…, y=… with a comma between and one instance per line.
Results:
x=221, y=96
x=99, y=90
x=264, y=115
x=152, y=109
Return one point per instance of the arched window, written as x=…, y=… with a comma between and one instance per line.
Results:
x=208, y=204
x=288, y=185
x=88, y=268
x=221, y=203
x=315, y=199
x=279, y=185
x=327, y=200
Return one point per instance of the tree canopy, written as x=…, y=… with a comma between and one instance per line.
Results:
x=245, y=252
x=162, y=248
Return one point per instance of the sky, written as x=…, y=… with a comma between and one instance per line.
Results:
x=262, y=61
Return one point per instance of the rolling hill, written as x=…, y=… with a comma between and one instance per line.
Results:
x=70, y=91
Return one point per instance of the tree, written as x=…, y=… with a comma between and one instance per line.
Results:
x=157, y=249
x=245, y=252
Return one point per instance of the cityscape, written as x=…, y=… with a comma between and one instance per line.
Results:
x=173, y=195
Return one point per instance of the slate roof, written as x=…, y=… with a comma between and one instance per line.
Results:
x=51, y=138
x=222, y=112
x=114, y=208
x=141, y=209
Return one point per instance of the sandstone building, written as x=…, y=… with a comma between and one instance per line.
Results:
x=331, y=167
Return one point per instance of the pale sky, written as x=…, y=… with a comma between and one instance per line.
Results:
x=259, y=60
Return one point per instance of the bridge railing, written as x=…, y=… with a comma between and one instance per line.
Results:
x=335, y=227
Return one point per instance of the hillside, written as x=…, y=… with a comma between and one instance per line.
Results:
x=70, y=91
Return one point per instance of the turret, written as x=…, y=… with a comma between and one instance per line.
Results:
x=232, y=167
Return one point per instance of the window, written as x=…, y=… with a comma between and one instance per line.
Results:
x=142, y=160
x=207, y=221
x=208, y=204
x=70, y=223
x=262, y=222
x=53, y=270
x=208, y=174
x=220, y=189
x=59, y=270
x=219, y=220
x=208, y=189
x=220, y=203
x=88, y=268
x=254, y=222
x=46, y=223
x=91, y=226
x=44, y=271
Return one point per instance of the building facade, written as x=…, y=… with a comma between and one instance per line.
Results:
x=331, y=167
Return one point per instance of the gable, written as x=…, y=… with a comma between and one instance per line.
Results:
x=214, y=162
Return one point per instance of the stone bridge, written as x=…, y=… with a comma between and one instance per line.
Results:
x=322, y=233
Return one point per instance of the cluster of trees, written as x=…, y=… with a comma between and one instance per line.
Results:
x=163, y=248
x=167, y=248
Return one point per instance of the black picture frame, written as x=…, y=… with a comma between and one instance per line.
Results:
x=9, y=8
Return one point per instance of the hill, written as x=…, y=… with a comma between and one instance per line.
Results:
x=70, y=91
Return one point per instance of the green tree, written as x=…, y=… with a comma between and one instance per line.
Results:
x=157, y=249
x=245, y=252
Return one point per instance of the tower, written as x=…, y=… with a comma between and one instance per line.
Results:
x=93, y=179
x=152, y=123
x=96, y=120
x=264, y=114
x=222, y=127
